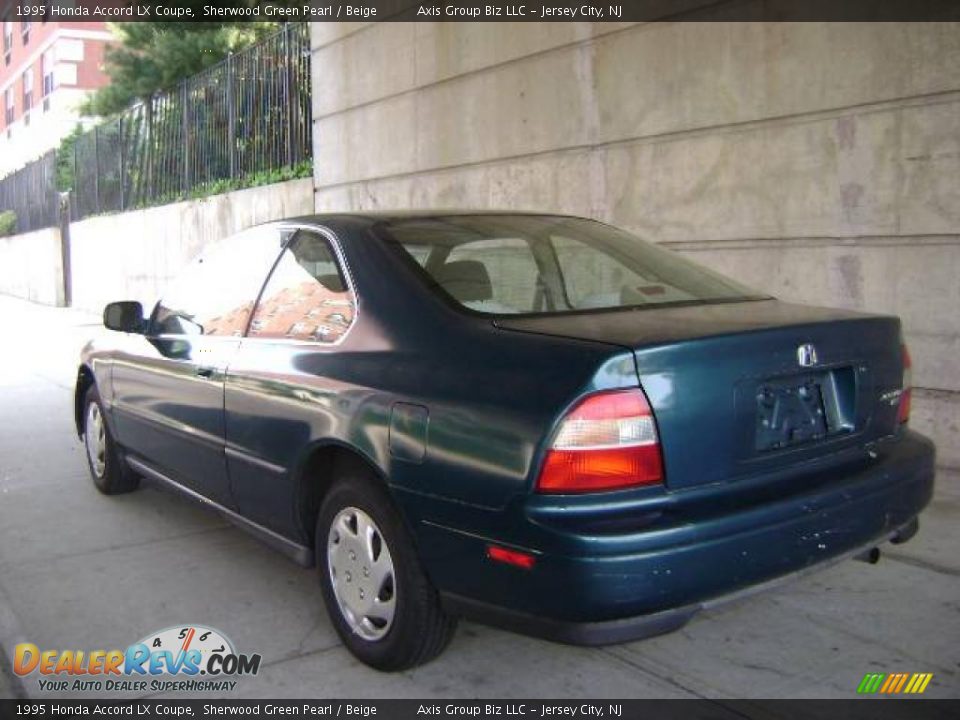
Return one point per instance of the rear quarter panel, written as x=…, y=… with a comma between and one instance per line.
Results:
x=490, y=399
x=490, y=395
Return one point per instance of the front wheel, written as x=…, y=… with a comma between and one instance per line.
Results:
x=110, y=473
x=380, y=601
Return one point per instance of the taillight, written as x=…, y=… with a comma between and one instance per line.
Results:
x=903, y=412
x=607, y=441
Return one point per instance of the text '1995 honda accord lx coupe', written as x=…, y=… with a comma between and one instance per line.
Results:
x=537, y=421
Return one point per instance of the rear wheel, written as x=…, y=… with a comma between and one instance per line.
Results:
x=110, y=473
x=380, y=601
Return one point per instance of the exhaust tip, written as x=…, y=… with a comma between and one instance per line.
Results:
x=871, y=556
x=906, y=532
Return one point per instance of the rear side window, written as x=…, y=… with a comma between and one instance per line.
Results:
x=542, y=264
x=215, y=293
x=307, y=296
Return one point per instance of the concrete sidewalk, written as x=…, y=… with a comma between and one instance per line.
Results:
x=83, y=571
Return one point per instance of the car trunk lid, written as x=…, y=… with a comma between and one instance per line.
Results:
x=740, y=389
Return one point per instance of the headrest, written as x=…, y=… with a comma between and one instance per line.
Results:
x=465, y=280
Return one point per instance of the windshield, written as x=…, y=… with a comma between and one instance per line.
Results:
x=540, y=264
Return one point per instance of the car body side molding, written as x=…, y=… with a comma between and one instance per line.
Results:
x=300, y=554
x=254, y=460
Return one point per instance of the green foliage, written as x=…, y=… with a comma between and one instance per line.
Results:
x=218, y=187
x=65, y=168
x=155, y=56
x=8, y=223
x=146, y=140
x=265, y=177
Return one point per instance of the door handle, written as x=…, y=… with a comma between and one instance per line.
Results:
x=205, y=371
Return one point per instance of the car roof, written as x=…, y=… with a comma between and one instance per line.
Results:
x=374, y=216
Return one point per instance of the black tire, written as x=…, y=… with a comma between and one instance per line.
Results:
x=110, y=473
x=420, y=629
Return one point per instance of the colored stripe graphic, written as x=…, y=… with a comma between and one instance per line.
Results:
x=894, y=683
x=870, y=683
x=890, y=682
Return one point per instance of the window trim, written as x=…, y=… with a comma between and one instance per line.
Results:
x=9, y=106
x=47, y=65
x=333, y=241
x=7, y=37
x=26, y=80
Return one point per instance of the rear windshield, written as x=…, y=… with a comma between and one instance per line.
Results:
x=537, y=264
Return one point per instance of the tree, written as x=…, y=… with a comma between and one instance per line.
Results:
x=65, y=160
x=155, y=56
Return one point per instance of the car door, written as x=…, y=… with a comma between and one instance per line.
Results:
x=282, y=388
x=168, y=392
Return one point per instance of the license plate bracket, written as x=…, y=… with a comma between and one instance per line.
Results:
x=790, y=412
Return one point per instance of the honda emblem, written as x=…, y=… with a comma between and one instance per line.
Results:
x=807, y=355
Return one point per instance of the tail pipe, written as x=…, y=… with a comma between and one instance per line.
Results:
x=906, y=532
x=901, y=536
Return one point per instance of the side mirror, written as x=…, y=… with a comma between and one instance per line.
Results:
x=126, y=316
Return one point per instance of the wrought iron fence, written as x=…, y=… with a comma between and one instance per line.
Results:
x=31, y=193
x=243, y=121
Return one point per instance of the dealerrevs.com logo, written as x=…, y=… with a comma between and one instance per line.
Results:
x=185, y=658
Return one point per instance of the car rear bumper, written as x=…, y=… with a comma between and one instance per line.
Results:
x=613, y=590
x=621, y=630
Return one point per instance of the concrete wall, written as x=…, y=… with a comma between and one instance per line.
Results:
x=818, y=162
x=31, y=266
x=133, y=255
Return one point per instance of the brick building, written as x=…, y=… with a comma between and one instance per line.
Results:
x=47, y=69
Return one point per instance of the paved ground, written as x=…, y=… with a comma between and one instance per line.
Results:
x=79, y=570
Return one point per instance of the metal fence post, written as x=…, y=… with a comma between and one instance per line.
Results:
x=76, y=178
x=96, y=167
x=149, y=153
x=231, y=130
x=185, y=131
x=286, y=105
x=49, y=190
x=120, y=159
